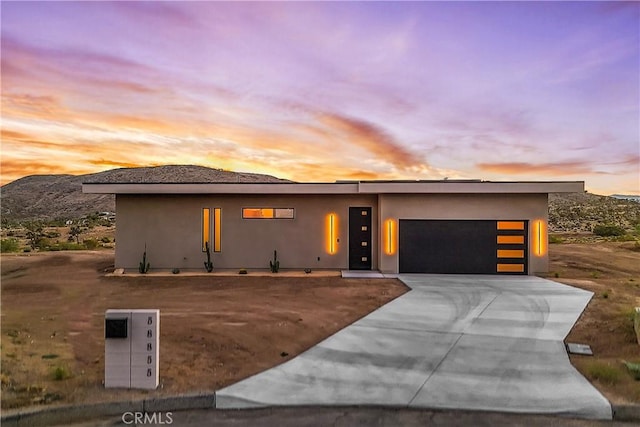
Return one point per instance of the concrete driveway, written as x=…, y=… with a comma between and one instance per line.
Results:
x=464, y=342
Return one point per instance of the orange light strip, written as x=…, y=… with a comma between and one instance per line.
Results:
x=331, y=227
x=206, y=231
x=217, y=227
x=539, y=240
x=389, y=233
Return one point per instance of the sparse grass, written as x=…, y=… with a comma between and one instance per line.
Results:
x=605, y=294
x=595, y=275
x=603, y=372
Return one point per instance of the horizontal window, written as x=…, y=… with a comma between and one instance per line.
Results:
x=510, y=268
x=510, y=225
x=268, y=213
x=506, y=253
x=511, y=240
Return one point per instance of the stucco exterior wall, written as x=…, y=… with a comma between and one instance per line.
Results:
x=170, y=225
x=463, y=206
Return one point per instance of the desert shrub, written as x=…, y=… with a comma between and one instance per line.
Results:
x=603, y=372
x=608, y=230
x=105, y=239
x=9, y=245
x=43, y=244
x=52, y=234
x=555, y=239
x=90, y=243
x=634, y=370
x=61, y=373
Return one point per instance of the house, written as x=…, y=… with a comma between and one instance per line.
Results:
x=449, y=226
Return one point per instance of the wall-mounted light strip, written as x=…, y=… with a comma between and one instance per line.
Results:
x=539, y=240
x=217, y=227
x=389, y=233
x=331, y=233
x=206, y=230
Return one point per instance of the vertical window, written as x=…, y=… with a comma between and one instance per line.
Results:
x=217, y=225
x=206, y=228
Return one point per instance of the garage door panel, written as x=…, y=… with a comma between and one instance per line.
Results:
x=462, y=246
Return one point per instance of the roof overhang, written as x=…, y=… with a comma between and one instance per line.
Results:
x=362, y=187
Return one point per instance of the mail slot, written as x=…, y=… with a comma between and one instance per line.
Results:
x=115, y=328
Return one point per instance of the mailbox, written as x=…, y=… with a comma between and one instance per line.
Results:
x=131, y=348
x=115, y=328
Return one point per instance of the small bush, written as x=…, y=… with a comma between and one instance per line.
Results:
x=242, y=271
x=555, y=239
x=603, y=372
x=61, y=373
x=605, y=294
x=608, y=230
x=90, y=243
x=26, y=250
x=9, y=245
x=556, y=274
x=634, y=370
x=105, y=239
x=175, y=271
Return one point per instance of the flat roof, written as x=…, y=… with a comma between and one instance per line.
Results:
x=340, y=187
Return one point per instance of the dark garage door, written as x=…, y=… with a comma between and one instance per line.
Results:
x=462, y=247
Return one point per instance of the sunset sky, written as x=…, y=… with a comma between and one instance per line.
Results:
x=327, y=90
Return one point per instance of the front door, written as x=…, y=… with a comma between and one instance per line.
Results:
x=360, y=238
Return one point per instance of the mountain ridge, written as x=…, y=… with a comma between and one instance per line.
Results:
x=49, y=197
x=60, y=197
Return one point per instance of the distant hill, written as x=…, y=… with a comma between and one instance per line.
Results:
x=60, y=196
x=50, y=197
x=579, y=212
x=626, y=197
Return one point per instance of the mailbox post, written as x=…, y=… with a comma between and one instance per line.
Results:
x=131, y=348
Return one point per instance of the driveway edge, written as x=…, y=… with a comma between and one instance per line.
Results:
x=76, y=413
x=625, y=412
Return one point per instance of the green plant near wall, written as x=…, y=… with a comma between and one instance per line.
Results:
x=275, y=264
x=144, y=265
x=208, y=264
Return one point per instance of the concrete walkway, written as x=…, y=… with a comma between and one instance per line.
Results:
x=470, y=342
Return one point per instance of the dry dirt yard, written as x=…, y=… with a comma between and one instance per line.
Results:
x=218, y=330
x=214, y=330
x=611, y=270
